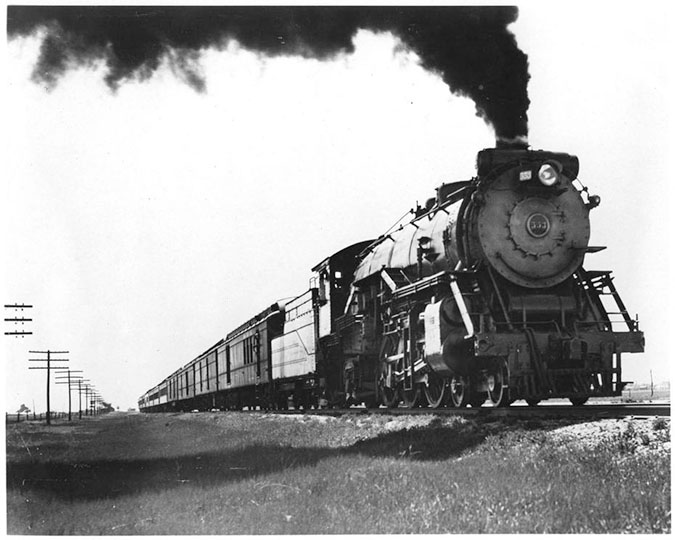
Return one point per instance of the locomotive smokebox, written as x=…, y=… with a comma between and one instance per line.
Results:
x=517, y=143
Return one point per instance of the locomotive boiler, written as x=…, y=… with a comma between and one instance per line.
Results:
x=483, y=294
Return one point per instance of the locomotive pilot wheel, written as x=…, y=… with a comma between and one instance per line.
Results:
x=497, y=383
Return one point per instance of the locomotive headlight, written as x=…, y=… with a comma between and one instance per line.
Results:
x=548, y=174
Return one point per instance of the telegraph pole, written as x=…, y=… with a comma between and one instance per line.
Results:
x=69, y=383
x=16, y=320
x=79, y=393
x=88, y=392
x=48, y=368
x=92, y=401
x=86, y=399
x=651, y=383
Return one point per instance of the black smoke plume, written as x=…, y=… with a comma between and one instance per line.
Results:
x=470, y=47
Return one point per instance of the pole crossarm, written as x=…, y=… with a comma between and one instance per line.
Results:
x=49, y=368
x=42, y=367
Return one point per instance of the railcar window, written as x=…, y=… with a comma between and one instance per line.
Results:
x=228, y=366
x=256, y=347
x=217, y=370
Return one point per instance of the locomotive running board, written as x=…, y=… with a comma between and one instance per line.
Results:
x=418, y=286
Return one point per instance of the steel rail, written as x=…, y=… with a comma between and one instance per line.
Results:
x=591, y=411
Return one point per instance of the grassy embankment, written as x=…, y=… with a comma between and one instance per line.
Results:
x=229, y=473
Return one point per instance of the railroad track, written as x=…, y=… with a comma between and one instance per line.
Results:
x=637, y=410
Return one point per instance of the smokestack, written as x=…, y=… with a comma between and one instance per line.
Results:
x=470, y=47
x=515, y=143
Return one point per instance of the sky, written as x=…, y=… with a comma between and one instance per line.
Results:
x=146, y=223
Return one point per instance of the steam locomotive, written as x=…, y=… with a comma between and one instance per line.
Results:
x=481, y=296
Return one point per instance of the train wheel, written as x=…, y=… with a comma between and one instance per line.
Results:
x=533, y=402
x=435, y=391
x=388, y=395
x=579, y=401
x=412, y=398
x=459, y=391
x=497, y=384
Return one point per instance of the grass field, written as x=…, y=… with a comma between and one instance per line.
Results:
x=258, y=473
